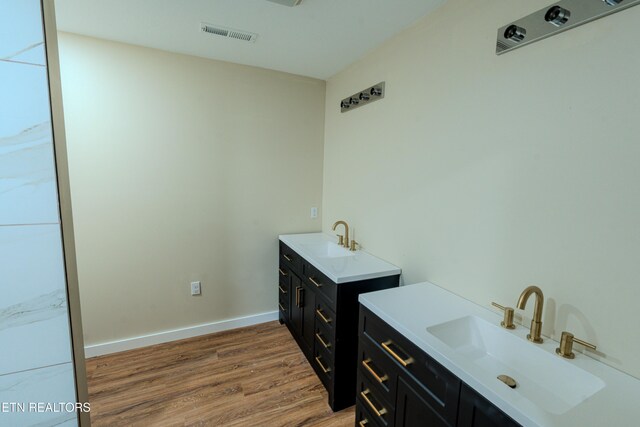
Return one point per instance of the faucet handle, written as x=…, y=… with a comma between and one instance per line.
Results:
x=352, y=245
x=507, y=322
x=566, y=345
x=340, y=239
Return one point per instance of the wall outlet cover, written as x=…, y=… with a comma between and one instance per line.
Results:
x=195, y=288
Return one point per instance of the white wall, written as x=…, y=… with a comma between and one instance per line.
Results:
x=485, y=173
x=183, y=169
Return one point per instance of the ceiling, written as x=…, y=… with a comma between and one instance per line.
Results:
x=318, y=38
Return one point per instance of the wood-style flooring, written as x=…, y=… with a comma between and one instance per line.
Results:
x=253, y=376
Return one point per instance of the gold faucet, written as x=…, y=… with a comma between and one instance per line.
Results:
x=536, y=323
x=346, y=232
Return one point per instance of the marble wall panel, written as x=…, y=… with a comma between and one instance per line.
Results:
x=45, y=385
x=28, y=193
x=21, y=32
x=34, y=329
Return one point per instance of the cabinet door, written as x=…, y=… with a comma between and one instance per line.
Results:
x=476, y=411
x=296, y=306
x=308, y=316
x=412, y=409
x=303, y=302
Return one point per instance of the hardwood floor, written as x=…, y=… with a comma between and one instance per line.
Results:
x=253, y=376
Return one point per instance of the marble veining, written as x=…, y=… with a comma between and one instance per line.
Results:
x=39, y=309
x=33, y=307
x=28, y=191
x=21, y=31
x=50, y=384
x=23, y=50
x=31, y=55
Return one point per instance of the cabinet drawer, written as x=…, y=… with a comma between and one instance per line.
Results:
x=323, y=365
x=441, y=386
x=290, y=258
x=325, y=316
x=284, y=274
x=325, y=338
x=378, y=368
x=381, y=413
x=283, y=301
x=321, y=283
x=364, y=417
x=284, y=285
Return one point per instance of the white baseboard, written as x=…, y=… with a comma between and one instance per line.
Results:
x=176, y=334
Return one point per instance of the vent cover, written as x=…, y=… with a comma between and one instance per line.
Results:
x=287, y=2
x=230, y=33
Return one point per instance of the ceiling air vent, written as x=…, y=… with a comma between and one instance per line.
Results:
x=287, y=2
x=230, y=33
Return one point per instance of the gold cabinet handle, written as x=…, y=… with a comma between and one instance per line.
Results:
x=318, y=284
x=325, y=370
x=281, y=307
x=283, y=290
x=286, y=257
x=380, y=379
x=282, y=273
x=365, y=396
x=298, y=288
x=322, y=316
x=404, y=362
x=363, y=422
x=323, y=342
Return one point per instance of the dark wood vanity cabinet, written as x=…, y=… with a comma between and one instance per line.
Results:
x=476, y=411
x=400, y=385
x=322, y=316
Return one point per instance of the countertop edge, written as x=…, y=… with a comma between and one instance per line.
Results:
x=385, y=268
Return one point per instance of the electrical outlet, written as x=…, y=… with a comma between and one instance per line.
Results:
x=314, y=212
x=195, y=288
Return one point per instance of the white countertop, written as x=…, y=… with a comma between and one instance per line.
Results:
x=411, y=309
x=359, y=265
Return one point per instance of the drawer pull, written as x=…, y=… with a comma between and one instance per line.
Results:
x=404, y=362
x=282, y=308
x=363, y=423
x=365, y=396
x=322, y=316
x=287, y=257
x=325, y=370
x=283, y=290
x=282, y=273
x=323, y=342
x=298, y=296
x=318, y=284
x=380, y=379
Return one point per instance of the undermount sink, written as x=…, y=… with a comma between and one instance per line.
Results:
x=328, y=250
x=546, y=380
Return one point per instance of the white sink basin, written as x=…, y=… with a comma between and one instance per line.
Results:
x=328, y=250
x=546, y=380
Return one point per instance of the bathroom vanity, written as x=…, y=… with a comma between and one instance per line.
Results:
x=429, y=357
x=401, y=385
x=318, y=288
